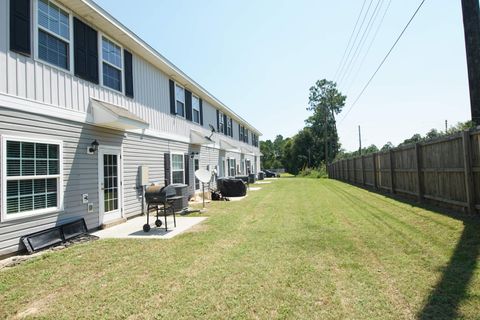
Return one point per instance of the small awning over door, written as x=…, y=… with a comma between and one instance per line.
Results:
x=198, y=138
x=247, y=151
x=228, y=146
x=112, y=116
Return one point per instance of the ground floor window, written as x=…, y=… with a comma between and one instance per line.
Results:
x=248, y=167
x=221, y=167
x=232, y=164
x=32, y=177
x=196, y=166
x=178, y=168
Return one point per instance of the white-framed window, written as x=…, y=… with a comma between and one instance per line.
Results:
x=112, y=64
x=222, y=169
x=248, y=166
x=196, y=166
x=180, y=100
x=232, y=167
x=53, y=34
x=178, y=168
x=195, y=109
x=229, y=127
x=221, y=123
x=32, y=177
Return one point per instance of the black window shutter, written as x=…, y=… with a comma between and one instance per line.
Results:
x=187, y=169
x=20, y=26
x=201, y=112
x=128, y=67
x=218, y=121
x=166, y=158
x=231, y=126
x=224, y=124
x=172, y=97
x=239, y=132
x=85, y=45
x=188, y=105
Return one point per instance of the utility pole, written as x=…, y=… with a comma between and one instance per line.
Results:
x=471, y=25
x=326, y=136
x=359, y=140
x=446, y=126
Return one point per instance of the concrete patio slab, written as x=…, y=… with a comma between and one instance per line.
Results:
x=254, y=188
x=133, y=228
x=263, y=182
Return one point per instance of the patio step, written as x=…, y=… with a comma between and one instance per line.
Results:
x=113, y=223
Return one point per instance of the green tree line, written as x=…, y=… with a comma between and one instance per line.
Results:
x=318, y=143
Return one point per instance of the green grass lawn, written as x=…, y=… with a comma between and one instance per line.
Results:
x=297, y=249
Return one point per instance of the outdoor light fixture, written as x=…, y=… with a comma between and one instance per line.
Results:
x=193, y=154
x=93, y=147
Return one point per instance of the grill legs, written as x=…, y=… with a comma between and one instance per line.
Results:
x=158, y=222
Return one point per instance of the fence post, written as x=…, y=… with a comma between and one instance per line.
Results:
x=392, y=182
x=374, y=159
x=418, y=163
x=467, y=161
x=363, y=170
x=348, y=171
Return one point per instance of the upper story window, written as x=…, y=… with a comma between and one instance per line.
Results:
x=112, y=64
x=254, y=140
x=241, y=133
x=229, y=127
x=180, y=100
x=32, y=178
x=196, y=109
x=53, y=34
x=221, y=122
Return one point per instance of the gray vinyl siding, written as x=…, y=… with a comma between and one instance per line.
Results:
x=27, y=80
x=80, y=170
x=139, y=151
x=80, y=173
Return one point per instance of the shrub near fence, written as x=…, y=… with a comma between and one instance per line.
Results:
x=446, y=170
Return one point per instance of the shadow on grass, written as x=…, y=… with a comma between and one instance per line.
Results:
x=449, y=292
x=447, y=295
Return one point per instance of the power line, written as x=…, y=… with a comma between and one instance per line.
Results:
x=350, y=40
x=370, y=46
x=356, y=37
x=363, y=39
x=383, y=61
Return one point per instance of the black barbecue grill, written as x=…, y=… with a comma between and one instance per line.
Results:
x=160, y=199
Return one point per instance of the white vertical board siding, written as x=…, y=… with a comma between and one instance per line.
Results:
x=209, y=115
x=32, y=79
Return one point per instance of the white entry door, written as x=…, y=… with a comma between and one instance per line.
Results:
x=110, y=184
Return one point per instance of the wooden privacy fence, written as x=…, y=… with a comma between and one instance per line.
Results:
x=445, y=170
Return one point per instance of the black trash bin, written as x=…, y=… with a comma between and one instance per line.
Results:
x=251, y=178
x=243, y=178
x=261, y=175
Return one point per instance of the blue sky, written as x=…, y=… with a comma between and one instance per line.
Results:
x=260, y=58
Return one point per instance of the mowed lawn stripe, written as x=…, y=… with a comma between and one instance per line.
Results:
x=297, y=248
